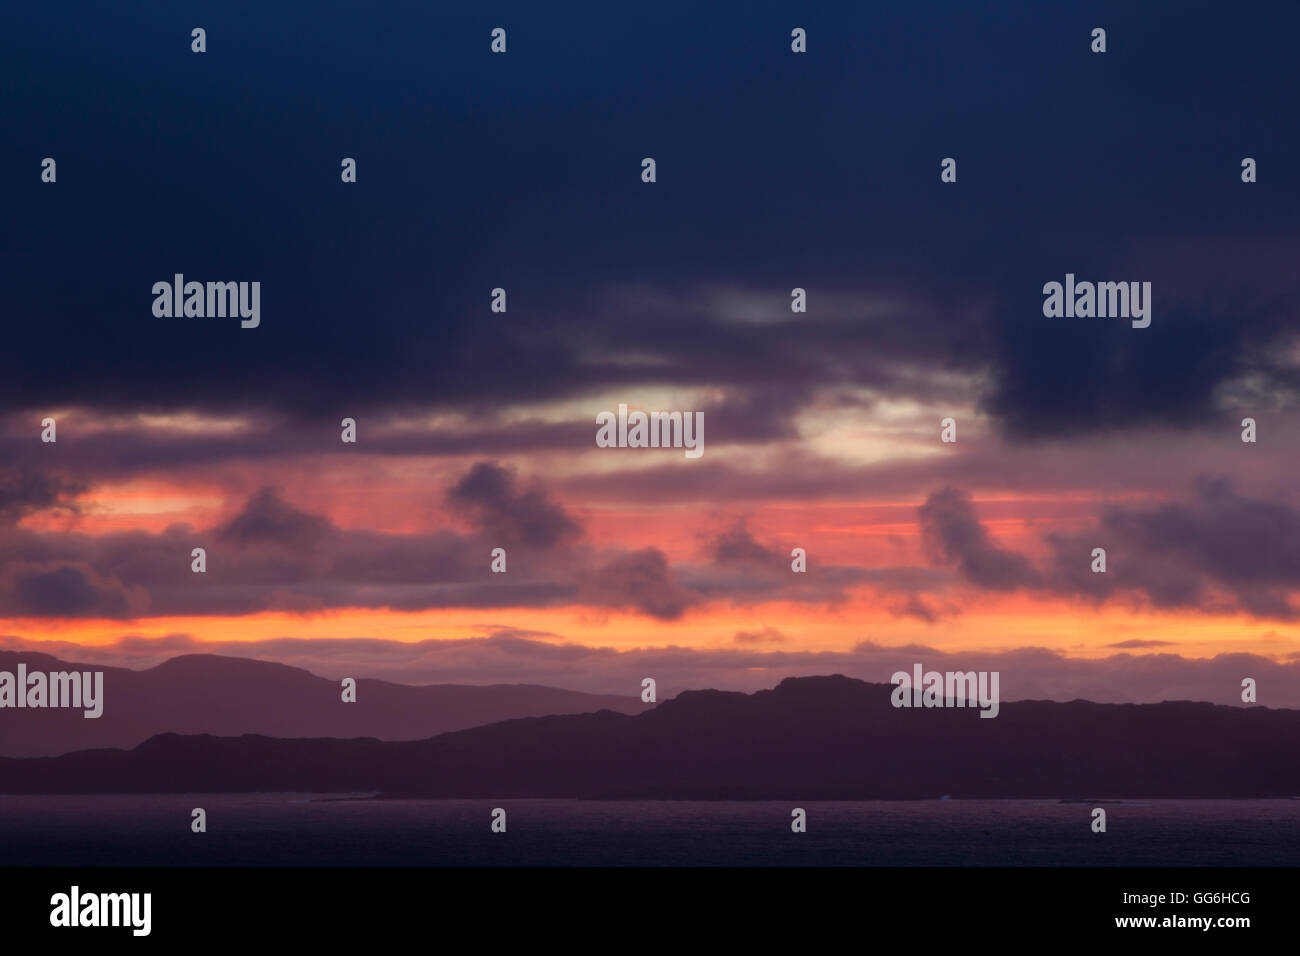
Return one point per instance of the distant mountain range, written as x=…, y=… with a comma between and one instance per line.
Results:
x=229, y=696
x=809, y=738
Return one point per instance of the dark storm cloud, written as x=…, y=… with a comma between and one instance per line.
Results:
x=1072, y=376
x=65, y=591
x=1217, y=551
x=1101, y=466
x=641, y=580
x=921, y=609
x=1185, y=553
x=116, y=450
x=267, y=519
x=108, y=449
x=490, y=495
x=23, y=491
x=953, y=535
x=375, y=295
x=744, y=570
x=736, y=546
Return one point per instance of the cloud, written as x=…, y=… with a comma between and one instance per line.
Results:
x=745, y=571
x=638, y=579
x=507, y=656
x=268, y=519
x=768, y=635
x=1222, y=340
x=954, y=536
x=490, y=496
x=737, y=547
x=917, y=607
x=66, y=591
x=1219, y=551
x=273, y=556
x=358, y=326
x=25, y=490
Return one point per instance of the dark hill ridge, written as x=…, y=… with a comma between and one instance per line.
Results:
x=808, y=738
x=229, y=696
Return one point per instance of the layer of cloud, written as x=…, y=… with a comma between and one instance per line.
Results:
x=273, y=556
x=509, y=656
x=1218, y=551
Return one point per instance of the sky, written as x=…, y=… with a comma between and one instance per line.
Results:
x=476, y=429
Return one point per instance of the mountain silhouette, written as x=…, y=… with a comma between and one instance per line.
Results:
x=230, y=696
x=809, y=738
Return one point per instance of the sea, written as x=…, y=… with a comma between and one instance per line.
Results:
x=300, y=829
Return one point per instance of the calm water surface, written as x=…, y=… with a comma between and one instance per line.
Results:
x=287, y=829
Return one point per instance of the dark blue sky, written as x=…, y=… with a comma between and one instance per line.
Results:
x=523, y=171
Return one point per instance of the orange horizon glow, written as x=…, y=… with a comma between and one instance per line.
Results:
x=994, y=625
